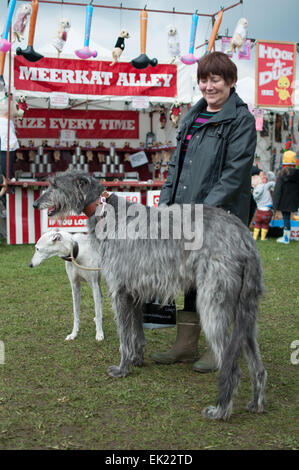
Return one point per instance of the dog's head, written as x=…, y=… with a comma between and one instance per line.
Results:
x=124, y=34
x=69, y=192
x=52, y=243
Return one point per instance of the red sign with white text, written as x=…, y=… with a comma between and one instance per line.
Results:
x=48, y=123
x=275, y=74
x=75, y=76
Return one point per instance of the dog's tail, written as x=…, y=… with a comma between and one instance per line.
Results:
x=243, y=333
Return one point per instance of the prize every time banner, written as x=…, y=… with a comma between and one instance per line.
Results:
x=48, y=124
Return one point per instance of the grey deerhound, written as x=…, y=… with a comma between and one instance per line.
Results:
x=224, y=269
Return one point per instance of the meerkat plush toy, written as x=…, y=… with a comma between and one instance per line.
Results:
x=61, y=38
x=20, y=23
x=119, y=46
x=239, y=36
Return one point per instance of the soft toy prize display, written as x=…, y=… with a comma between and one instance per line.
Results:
x=4, y=43
x=19, y=25
x=61, y=38
x=190, y=58
x=85, y=52
x=142, y=61
x=29, y=53
x=119, y=46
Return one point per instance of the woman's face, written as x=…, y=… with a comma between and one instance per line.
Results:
x=215, y=91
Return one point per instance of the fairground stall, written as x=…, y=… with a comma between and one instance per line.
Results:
x=88, y=109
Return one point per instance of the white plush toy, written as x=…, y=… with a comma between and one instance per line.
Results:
x=239, y=36
x=173, y=42
x=21, y=21
x=61, y=38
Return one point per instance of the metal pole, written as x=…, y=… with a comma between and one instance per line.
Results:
x=121, y=7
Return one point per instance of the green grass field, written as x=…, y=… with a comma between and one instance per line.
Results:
x=56, y=394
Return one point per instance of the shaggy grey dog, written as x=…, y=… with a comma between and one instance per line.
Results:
x=226, y=272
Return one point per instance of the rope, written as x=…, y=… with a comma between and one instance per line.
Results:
x=79, y=265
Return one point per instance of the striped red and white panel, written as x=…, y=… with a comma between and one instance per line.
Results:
x=23, y=222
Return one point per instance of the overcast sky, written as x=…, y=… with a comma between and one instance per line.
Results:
x=267, y=19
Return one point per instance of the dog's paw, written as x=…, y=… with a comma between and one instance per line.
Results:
x=255, y=407
x=99, y=336
x=216, y=412
x=116, y=371
x=71, y=337
x=137, y=361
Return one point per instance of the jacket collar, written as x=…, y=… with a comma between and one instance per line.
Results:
x=227, y=113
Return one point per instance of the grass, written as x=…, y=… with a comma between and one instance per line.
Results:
x=57, y=395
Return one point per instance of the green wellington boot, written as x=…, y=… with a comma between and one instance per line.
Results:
x=207, y=363
x=185, y=347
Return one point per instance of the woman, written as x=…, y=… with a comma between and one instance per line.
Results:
x=211, y=165
x=286, y=193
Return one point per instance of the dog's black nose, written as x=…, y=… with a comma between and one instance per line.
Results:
x=35, y=204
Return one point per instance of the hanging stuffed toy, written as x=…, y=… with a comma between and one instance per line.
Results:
x=239, y=36
x=19, y=26
x=175, y=113
x=119, y=46
x=85, y=52
x=5, y=45
x=22, y=106
x=173, y=43
x=190, y=59
x=163, y=118
x=143, y=61
x=61, y=38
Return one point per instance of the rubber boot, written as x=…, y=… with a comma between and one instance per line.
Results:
x=185, y=348
x=285, y=238
x=207, y=363
x=264, y=234
x=256, y=232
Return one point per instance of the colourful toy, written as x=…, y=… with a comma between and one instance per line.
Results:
x=5, y=45
x=21, y=22
x=119, y=46
x=61, y=38
x=239, y=36
x=85, y=52
x=142, y=61
x=190, y=58
x=175, y=114
x=22, y=106
x=214, y=32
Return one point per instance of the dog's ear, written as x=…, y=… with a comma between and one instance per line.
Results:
x=83, y=182
x=56, y=237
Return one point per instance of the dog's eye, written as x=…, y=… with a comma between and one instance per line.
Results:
x=36, y=249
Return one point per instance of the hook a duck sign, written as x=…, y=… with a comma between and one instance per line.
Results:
x=275, y=74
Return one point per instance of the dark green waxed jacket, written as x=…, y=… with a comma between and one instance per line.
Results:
x=217, y=166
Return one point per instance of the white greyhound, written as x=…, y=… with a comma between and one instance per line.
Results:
x=61, y=243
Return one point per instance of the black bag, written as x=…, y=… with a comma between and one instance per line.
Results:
x=156, y=315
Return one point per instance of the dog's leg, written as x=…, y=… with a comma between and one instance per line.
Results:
x=215, y=298
x=257, y=372
x=97, y=297
x=76, y=292
x=129, y=334
x=138, y=341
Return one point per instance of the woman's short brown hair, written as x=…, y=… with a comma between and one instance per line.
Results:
x=217, y=63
